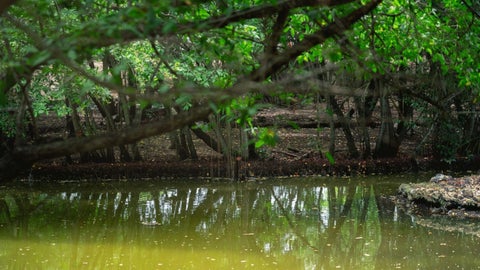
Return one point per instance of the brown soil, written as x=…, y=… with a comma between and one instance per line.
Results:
x=299, y=152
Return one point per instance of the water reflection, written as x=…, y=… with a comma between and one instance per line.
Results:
x=299, y=224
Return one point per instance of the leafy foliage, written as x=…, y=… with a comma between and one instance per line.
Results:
x=189, y=54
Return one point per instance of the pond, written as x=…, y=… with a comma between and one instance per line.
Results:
x=297, y=223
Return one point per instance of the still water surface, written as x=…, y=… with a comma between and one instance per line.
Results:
x=312, y=223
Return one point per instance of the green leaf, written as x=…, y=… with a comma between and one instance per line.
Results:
x=163, y=89
x=330, y=158
x=329, y=111
x=294, y=125
x=266, y=136
x=39, y=58
x=135, y=13
x=259, y=144
x=144, y=103
x=169, y=27
x=72, y=54
x=3, y=99
x=184, y=101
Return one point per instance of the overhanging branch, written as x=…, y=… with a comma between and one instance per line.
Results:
x=215, y=22
x=30, y=154
x=92, y=36
x=335, y=28
x=126, y=136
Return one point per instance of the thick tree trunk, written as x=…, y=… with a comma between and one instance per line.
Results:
x=178, y=140
x=222, y=142
x=387, y=144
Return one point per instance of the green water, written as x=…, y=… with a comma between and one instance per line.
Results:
x=314, y=223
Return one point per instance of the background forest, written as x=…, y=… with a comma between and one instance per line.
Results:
x=115, y=72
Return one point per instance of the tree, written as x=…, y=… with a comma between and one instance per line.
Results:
x=429, y=68
x=410, y=62
x=420, y=57
x=67, y=36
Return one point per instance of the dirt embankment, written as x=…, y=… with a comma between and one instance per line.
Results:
x=303, y=139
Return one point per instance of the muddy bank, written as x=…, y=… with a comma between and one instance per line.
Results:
x=298, y=152
x=219, y=168
x=276, y=166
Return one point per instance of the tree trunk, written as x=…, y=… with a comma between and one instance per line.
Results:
x=78, y=130
x=179, y=146
x=252, y=151
x=405, y=111
x=125, y=113
x=91, y=129
x=365, y=107
x=231, y=156
x=387, y=144
x=107, y=116
x=137, y=119
x=207, y=139
x=243, y=141
x=344, y=121
x=222, y=144
x=191, y=147
x=331, y=143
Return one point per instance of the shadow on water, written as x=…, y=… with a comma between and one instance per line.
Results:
x=313, y=223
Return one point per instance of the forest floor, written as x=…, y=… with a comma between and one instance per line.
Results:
x=299, y=152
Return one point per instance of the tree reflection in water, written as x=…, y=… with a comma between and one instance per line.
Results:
x=300, y=224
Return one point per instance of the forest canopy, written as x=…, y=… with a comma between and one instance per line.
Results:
x=200, y=62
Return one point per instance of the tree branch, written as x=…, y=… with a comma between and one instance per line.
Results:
x=139, y=32
x=32, y=153
x=5, y=4
x=26, y=155
x=92, y=35
x=472, y=10
x=273, y=39
x=335, y=28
